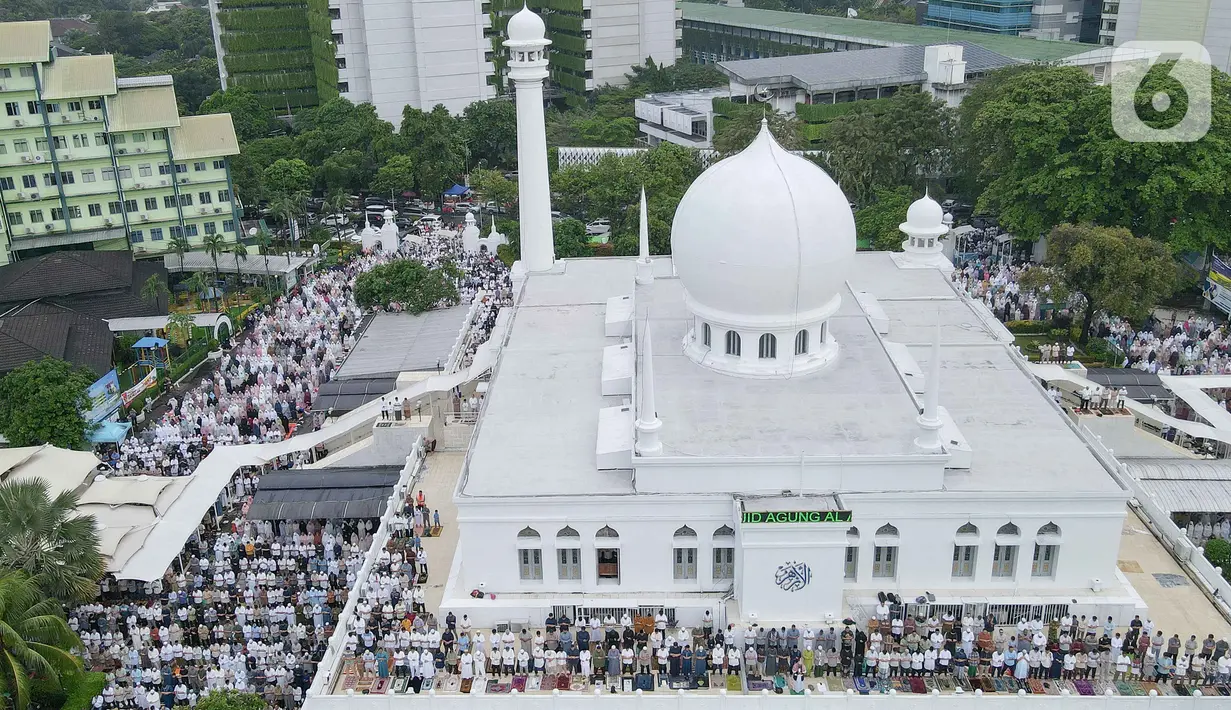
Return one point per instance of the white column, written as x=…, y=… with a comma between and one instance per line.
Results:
x=645, y=270
x=528, y=69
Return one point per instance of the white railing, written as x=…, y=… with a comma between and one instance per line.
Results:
x=330, y=661
x=463, y=336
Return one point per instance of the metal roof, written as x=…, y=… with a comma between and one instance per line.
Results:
x=404, y=342
x=79, y=77
x=1141, y=386
x=1184, y=485
x=328, y=493
x=143, y=108
x=254, y=265
x=887, y=34
x=208, y=136
x=342, y=396
x=867, y=67
x=25, y=42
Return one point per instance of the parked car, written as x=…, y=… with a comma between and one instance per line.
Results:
x=599, y=228
x=430, y=220
x=557, y=216
x=335, y=220
x=948, y=205
x=461, y=207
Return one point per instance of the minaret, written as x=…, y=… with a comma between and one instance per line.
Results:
x=527, y=43
x=924, y=226
x=648, y=422
x=645, y=270
x=929, y=420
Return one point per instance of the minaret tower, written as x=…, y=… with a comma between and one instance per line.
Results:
x=929, y=420
x=645, y=269
x=648, y=423
x=527, y=44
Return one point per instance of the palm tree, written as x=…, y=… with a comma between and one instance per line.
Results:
x=154, y=289
x=181, y=325
x=240, y=251
x=264, y=243
x=180, y=245
x=215, y=245
x=37, y=642
x=198, y=284
x=289, y=207
x=336, y=203
x=45, y=538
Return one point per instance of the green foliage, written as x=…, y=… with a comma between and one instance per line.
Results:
x=494, y=186
x=264, y=41
x=1022, y=327
x=490, y=130
x=1044, y=146
x=251, y=119
x=396, y=176
x=569, y=237
x=38, y=643
x=231, y=700
x=1109, y=267
x=877, y=223
x=41, y=403
x=286, y=177
x=412, y=284
x=81, y=689
x=741, y=124
x=437, y=147
x=867, y=9
x=1218, y=552
x=823, y=113
x=42, y=536
x=346, y=170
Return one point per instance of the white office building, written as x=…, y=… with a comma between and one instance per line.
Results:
x=1207, y=22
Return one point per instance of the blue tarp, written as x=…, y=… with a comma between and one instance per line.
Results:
x=457, y=190
x=110, y=432
x=150, y=342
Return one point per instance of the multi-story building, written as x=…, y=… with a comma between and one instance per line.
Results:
x=89, y=161
x=1207, y=22
x=1006, y=17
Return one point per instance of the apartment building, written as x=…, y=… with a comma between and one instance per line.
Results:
x=1207, y=22
x=89, y=161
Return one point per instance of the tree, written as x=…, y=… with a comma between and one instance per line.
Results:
x=494, y=186
x=289, y=208
x=215, y=245
x=569, y=238
x=1108, y=268
x=263, y=244
x=38, y=643
x=286, y=177
x=877, y=223
x=335, y=204
x=251, y=119
x=739, y=130
x=179, y=245
x=396, y=176
x=653, y=78
x=345, y=170
x=43, y=536
x=490, y=131
x=231, y=700
x=179, y=327
x=410, y=284
x=240, y=252
x=41, y=402
x=198, y=284
x=154, y=289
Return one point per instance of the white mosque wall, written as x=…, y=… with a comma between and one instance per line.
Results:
x=772, y=476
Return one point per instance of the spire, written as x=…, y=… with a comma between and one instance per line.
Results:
x=648, y=423
x=645, y=270
x=929, y=420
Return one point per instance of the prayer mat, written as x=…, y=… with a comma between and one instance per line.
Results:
x=364, y=685
x=779, y=681
x=1102, y=686
x=902, y=685
x=1182, y=690
x=564, y=681
x=834, y=685
x=499, y=688
x=548, y=682
x=579, y=683
x=467, y=684
x=963, y=682
x=1083, y=687
x=427, y=685
x=519, y=683
x=945, y=684
x=1036, y=687
x=533, y=683
x=701, y=681
x=479, y=687
x=756, y=685
x=931, y=683
x=1224, y=690
x=381, y=686
x=986, y=684
x=645, y=682
x=349, y=682
x=1147, y=687
x=918, y=686
x=862, y=687
x=848, y=684
x=400, y=685
x=451, y=684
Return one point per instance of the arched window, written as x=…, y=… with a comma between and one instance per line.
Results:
x=852, y=533
x=567, y=533
x=607, y=533
x=568, y=554
x=724, y=554
x=850, y=567
x=687, y=532
x=1049, y=530
x=1009, y=530
x=528, y=533
x=767, y=348
x=723, y=532
x=887, y=530
x=968, y=529
x=529, y=555
x=607, y=553
x=733, y=344
x=801, y=342
x=705, y=334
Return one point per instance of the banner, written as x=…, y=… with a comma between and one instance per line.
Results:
x=104, y=397
x=1218, y=284
x=135, y=391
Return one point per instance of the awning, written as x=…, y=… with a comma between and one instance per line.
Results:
x=1141, y=386
x=342, y=396
x=457, y=190
x=150, y=342
x=110, y=432
x=335, y=493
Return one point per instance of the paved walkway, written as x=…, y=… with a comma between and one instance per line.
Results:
x=1176, y=604
x=438, y=481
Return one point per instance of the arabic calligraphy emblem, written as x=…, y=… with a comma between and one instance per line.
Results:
x=793, y=576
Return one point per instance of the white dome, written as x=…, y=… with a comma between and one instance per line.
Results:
x=763, y=238
x=526, y=26
x=925, y=213
x=388, y=215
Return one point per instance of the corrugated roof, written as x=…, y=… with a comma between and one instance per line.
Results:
x=208, y=136
x=25, y=42
x=144, y=108
x=868, y=67
x=79, y=77
x=888, y=34
x=1185, y=485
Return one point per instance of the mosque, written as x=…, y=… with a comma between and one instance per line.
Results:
x=766, y=425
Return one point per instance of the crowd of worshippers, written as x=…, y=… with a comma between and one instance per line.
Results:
x=1203, y=527
x=1195, y=346
x=996, y=283
x=251, y=609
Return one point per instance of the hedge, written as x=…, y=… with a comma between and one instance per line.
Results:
x=296, y=98
x=1026, y=327
x=568, y=43
x=267, y=18
x=266, y=61
x=276, y=81
x=823, y=113
x=239, y=4
x=265, y=41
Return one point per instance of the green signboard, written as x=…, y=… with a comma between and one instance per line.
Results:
x=797, y=516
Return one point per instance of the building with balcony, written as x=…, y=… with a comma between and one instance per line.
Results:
x=89, y=161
